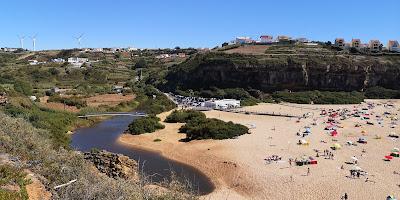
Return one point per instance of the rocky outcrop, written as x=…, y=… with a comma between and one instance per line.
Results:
x=113, y=165
x=273, y=73
x=3, y=99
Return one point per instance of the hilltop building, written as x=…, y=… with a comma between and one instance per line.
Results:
x=340, y=42
x=243, y=40
x=302, y=40
x=393, y=46
x=266, y=39
x=374, y=45
x=356, y=43
x=283, y=38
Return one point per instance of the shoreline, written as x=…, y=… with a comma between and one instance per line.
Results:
x=237, y=166
x=222, y=173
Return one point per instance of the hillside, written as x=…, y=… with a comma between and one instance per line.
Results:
x=282, y=67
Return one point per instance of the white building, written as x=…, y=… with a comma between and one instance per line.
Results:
x=77, y=62
x=243, y=40
x=222, y=104
x=33, y=62
x=58, y=60
x=393, y=45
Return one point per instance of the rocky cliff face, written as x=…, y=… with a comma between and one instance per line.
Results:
x=340, y=73
x=113, y=165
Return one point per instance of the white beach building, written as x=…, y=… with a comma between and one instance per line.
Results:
x=222, y=104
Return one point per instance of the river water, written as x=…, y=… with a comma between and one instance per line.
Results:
x=104, y=135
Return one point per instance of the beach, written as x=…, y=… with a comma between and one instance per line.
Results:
x=239, y=170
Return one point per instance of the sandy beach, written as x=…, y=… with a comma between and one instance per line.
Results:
x=239, y=170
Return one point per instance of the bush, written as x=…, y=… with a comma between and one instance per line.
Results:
x=59, y=166
x=212, y=129
x=381, y=93
x=23, y=87
x=319, y=97
x=184, y=116
x=74, y=101
x=142, y=125
x=56, y=122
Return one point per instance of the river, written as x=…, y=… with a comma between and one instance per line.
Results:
x=104, y=135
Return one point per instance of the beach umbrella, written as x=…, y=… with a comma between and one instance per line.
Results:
x=349, y=142
x=389, y=157
x=334, y=133
x=337, y=146
x=354, y=158
x=357, y=168
x=395, y=149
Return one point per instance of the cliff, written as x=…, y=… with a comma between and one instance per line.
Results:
x=270, y=73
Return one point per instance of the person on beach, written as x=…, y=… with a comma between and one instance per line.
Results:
x=345, y=197
x=308, y=171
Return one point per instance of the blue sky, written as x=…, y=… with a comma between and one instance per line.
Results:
x=191, y=23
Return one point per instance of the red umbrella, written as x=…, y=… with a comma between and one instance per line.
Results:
x=389, y=157
x=334, y=133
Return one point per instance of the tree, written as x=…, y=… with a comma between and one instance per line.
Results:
x=141, y=63
x=329, y=43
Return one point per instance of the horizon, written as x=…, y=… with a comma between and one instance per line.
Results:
x=203, y=24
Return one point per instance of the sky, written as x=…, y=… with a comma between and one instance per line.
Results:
x=191, y=23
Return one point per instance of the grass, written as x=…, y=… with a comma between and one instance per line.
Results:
x=19, y=138
x=10, y=175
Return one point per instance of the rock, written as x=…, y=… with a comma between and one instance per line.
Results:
x=352, y=73
x=114, y=165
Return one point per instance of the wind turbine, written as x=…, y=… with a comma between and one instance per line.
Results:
x=21, y=41
x=79, y=38
x=34, y=42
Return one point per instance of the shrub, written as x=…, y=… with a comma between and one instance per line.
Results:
x=184, y=116
x=59, y=166
x=319, y=97
x=142, y=125
x=23, y=87
x=381, y=93
x=212, y=129
x=73, y=101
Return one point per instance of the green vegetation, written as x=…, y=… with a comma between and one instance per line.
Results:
x=184, y=116
x=58, y=166
x=152, y=101
x=199, y=127
x=12, y=176
x=212, y=129
x=71, y=101
x=381, y=93
x=56, y=122
x=142, y=125
x=319, y=97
